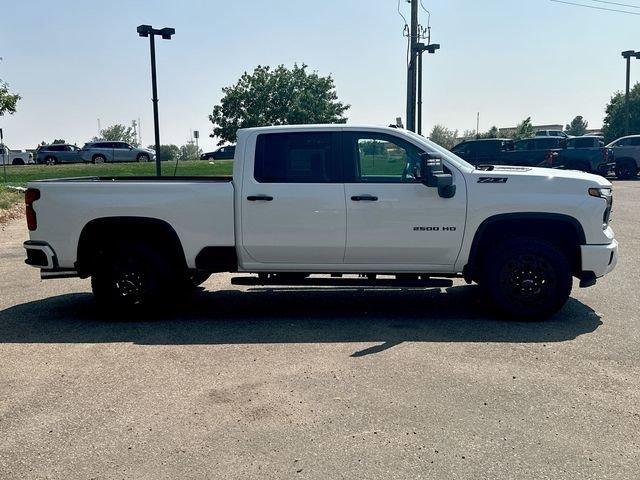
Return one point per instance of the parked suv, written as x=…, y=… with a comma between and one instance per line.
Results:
x=104, y=151
x=222, y=153
x=483, y=151
x=58, y=153
x=626, y=151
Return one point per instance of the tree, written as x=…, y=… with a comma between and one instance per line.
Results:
x=119, y=133
x=614, y=121
x=524, y=129
x=167, y=152
x=276, y=97
x=189, y=152
x=444, y=137
x=577, y=127
x=8, y=100
x=492, y=133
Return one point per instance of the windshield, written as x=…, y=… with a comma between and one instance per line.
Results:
x=435, y=148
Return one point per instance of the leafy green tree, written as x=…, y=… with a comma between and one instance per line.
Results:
x=524, y=129
x=577, y=127
x=444, y=137
x=119, y=133
x=167, y=152
x=8, y=101
x=492, y=133
x=279, y=96
x=614, y=121
x=189, y=151
x=372, y=147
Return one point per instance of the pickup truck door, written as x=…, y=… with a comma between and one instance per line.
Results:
x=292, y=200
x=392, y=218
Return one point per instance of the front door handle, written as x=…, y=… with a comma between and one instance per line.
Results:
x=364, y=198
x=264, y=198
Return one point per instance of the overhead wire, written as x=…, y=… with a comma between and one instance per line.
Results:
x=575, y=4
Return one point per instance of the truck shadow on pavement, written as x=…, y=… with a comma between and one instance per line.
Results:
x=272, y=315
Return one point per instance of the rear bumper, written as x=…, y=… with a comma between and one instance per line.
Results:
x=599, y=259
x=42, y=256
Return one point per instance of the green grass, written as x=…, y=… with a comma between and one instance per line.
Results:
x=19, y=175
x=8, y=197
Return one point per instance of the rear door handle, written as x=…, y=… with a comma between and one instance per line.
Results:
x=264, y=198
x=364, y=198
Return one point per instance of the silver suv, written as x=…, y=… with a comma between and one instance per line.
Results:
x=626, y=152
x=105, y=151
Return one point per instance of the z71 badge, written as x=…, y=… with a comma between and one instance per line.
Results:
x=492, y=180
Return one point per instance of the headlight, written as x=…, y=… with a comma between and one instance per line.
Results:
x=605, y=193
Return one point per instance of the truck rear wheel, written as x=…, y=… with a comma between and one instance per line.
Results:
x=131, y=277
x=529, y=280
x=626, y=169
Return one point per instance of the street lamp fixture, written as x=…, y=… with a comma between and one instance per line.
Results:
x=628, y=55
x=166, y=33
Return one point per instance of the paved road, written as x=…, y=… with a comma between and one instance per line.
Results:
x=255, y=383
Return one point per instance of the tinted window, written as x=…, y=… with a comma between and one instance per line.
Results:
x=381, y=158
x=296, y=158
x=582, y=142
x=633, y=142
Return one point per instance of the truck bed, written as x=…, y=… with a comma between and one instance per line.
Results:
x=199, y=209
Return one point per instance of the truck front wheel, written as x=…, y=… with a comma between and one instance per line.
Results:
x=130, y=277
x=528, y=279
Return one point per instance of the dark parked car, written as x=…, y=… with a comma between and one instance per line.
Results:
x=58, y=153
x=579, y=153
x=530, y=152
x=483, y=152
x=587, y=154
x=223, y=153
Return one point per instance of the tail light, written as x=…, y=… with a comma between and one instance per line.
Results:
x=605, y=154
x=30, y=196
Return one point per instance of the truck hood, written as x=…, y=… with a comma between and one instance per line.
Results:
x=544, y=175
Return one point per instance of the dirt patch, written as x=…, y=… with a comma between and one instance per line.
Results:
x=14, y=211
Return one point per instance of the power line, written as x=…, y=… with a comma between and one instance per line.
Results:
x=594, y=7
x=616, y=3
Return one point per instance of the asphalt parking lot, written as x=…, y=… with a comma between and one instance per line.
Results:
x=320, y=383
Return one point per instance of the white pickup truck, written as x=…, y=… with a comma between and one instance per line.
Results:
x=304, y=200
x=14, y=157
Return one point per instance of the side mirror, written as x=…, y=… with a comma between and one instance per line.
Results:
x=433, y=175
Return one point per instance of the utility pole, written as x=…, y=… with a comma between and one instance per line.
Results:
x=411, y=70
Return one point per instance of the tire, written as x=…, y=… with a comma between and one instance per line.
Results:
x=17, y=161
x=529, y=280
x=626, y=169
x=50, y=160
x=131, y=277
x=99, y=159
x=143, y=157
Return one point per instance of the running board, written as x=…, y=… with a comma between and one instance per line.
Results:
x=344, y=282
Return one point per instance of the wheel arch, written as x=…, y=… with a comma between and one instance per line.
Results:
x=103, y=233
x=562, y=230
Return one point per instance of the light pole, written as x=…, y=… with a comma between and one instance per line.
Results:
x=627, y=54
x=165, y=33
x=421, y=48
